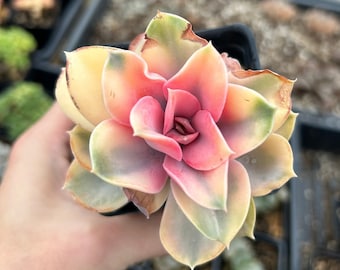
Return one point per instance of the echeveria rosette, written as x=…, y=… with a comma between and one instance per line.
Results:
x=173, y=122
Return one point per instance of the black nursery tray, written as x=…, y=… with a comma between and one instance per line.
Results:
x=315, y=194
x=331, y=5
x=65, y=36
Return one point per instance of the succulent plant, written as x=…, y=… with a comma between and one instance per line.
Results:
x=172, y=122
x=16, y=44
x=21, y=105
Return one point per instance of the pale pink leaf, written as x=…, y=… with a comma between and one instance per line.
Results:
x=247, y=119
x=182, y=240
x=126, y=79
x=204, y=76
x=93, y=192
x=210, y=149
x=124, y=160
x=270, y=165
x=206, y=188
x=146, y=119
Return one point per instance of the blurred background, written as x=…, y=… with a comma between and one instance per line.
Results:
x=299, y=226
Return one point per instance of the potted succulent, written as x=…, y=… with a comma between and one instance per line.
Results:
x=314, y=199
x=16, y=46
x=196, y=135
x=21, y=104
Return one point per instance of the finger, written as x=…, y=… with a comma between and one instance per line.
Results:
x=137, y=237
x=51, y=129
x=40, y=156
x=55, y=120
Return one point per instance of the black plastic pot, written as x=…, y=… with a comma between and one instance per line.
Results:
x=331, y=5
x=65, y=36
x=315, y=195
x=63, y=25
x=238, y=41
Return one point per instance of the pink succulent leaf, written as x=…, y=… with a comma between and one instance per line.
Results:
x=146, y=119
x=124, y=160
x=219, y=224
x=206, y=188
x=286, y=130
x=67, y=104
x=270, y=165
x=137, y=44
x=93, y=192
x=274, y=87
x=169, y=43
x=79, y=142
x=84, y=69
x=173, y=123
x=179, y=137
x=148, y=203
x=247, y=119
x=205, y=76
x=210, y=149
x=126, y=79
x=182, y=240
x=249, y=224
x=232, y=64
x=179, y=103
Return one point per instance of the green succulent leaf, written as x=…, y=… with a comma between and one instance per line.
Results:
x=272, y=86
x=270, y=165
x=67, y=103
x=79, y=141
x=148, y=203
x=286, y=130
x=125, y=160
x=247, y=119
x=169, y=43
x=84, y=69
x=220, y=225
x=182, y=239
x=91, y=191
x=249, y=224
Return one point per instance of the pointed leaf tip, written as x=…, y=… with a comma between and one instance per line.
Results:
x=169, y=42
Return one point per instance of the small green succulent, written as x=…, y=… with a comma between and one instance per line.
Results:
x=16, y=45
x=20, y=106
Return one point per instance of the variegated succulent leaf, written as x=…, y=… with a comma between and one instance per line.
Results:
x=173, y=124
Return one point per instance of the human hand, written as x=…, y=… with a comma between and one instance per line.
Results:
x=41, y=227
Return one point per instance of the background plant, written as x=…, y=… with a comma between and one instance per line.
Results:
x=16, y=45
x=20, y=106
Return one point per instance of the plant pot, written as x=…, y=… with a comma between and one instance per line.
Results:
x=63, y=25
x=66, y=36
x=315, y=195
x=330, y=5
